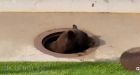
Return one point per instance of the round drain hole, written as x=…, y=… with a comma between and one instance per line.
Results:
x=66, y=42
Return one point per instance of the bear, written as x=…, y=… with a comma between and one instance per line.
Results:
x=71, y=41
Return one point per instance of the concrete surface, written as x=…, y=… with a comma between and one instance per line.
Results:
x=18, y=31
x=125, y=6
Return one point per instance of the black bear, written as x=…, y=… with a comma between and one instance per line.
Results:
x=71, y=41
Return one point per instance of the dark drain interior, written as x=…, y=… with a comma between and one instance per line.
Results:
x=50, y=38
x=47, y=40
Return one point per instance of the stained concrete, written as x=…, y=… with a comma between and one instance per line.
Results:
x=19, y=30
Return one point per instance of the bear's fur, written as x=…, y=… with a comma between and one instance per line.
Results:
x=71, y=41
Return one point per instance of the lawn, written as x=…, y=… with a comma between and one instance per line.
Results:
x=63, y=68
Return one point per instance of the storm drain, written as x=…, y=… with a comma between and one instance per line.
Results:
x=43, y=41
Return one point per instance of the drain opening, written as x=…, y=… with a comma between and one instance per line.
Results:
x=72, y=47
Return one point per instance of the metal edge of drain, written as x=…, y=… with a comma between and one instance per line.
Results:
x=39, y=46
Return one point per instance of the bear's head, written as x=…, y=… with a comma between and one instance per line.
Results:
x=73, y=41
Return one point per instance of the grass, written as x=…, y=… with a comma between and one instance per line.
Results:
x=63, y=68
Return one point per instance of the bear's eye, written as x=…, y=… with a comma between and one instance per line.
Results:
x=85, y=34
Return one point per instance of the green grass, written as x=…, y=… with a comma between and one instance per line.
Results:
x=63, y=68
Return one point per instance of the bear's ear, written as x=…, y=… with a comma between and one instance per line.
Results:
x=71, y=34
x=75, y=27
